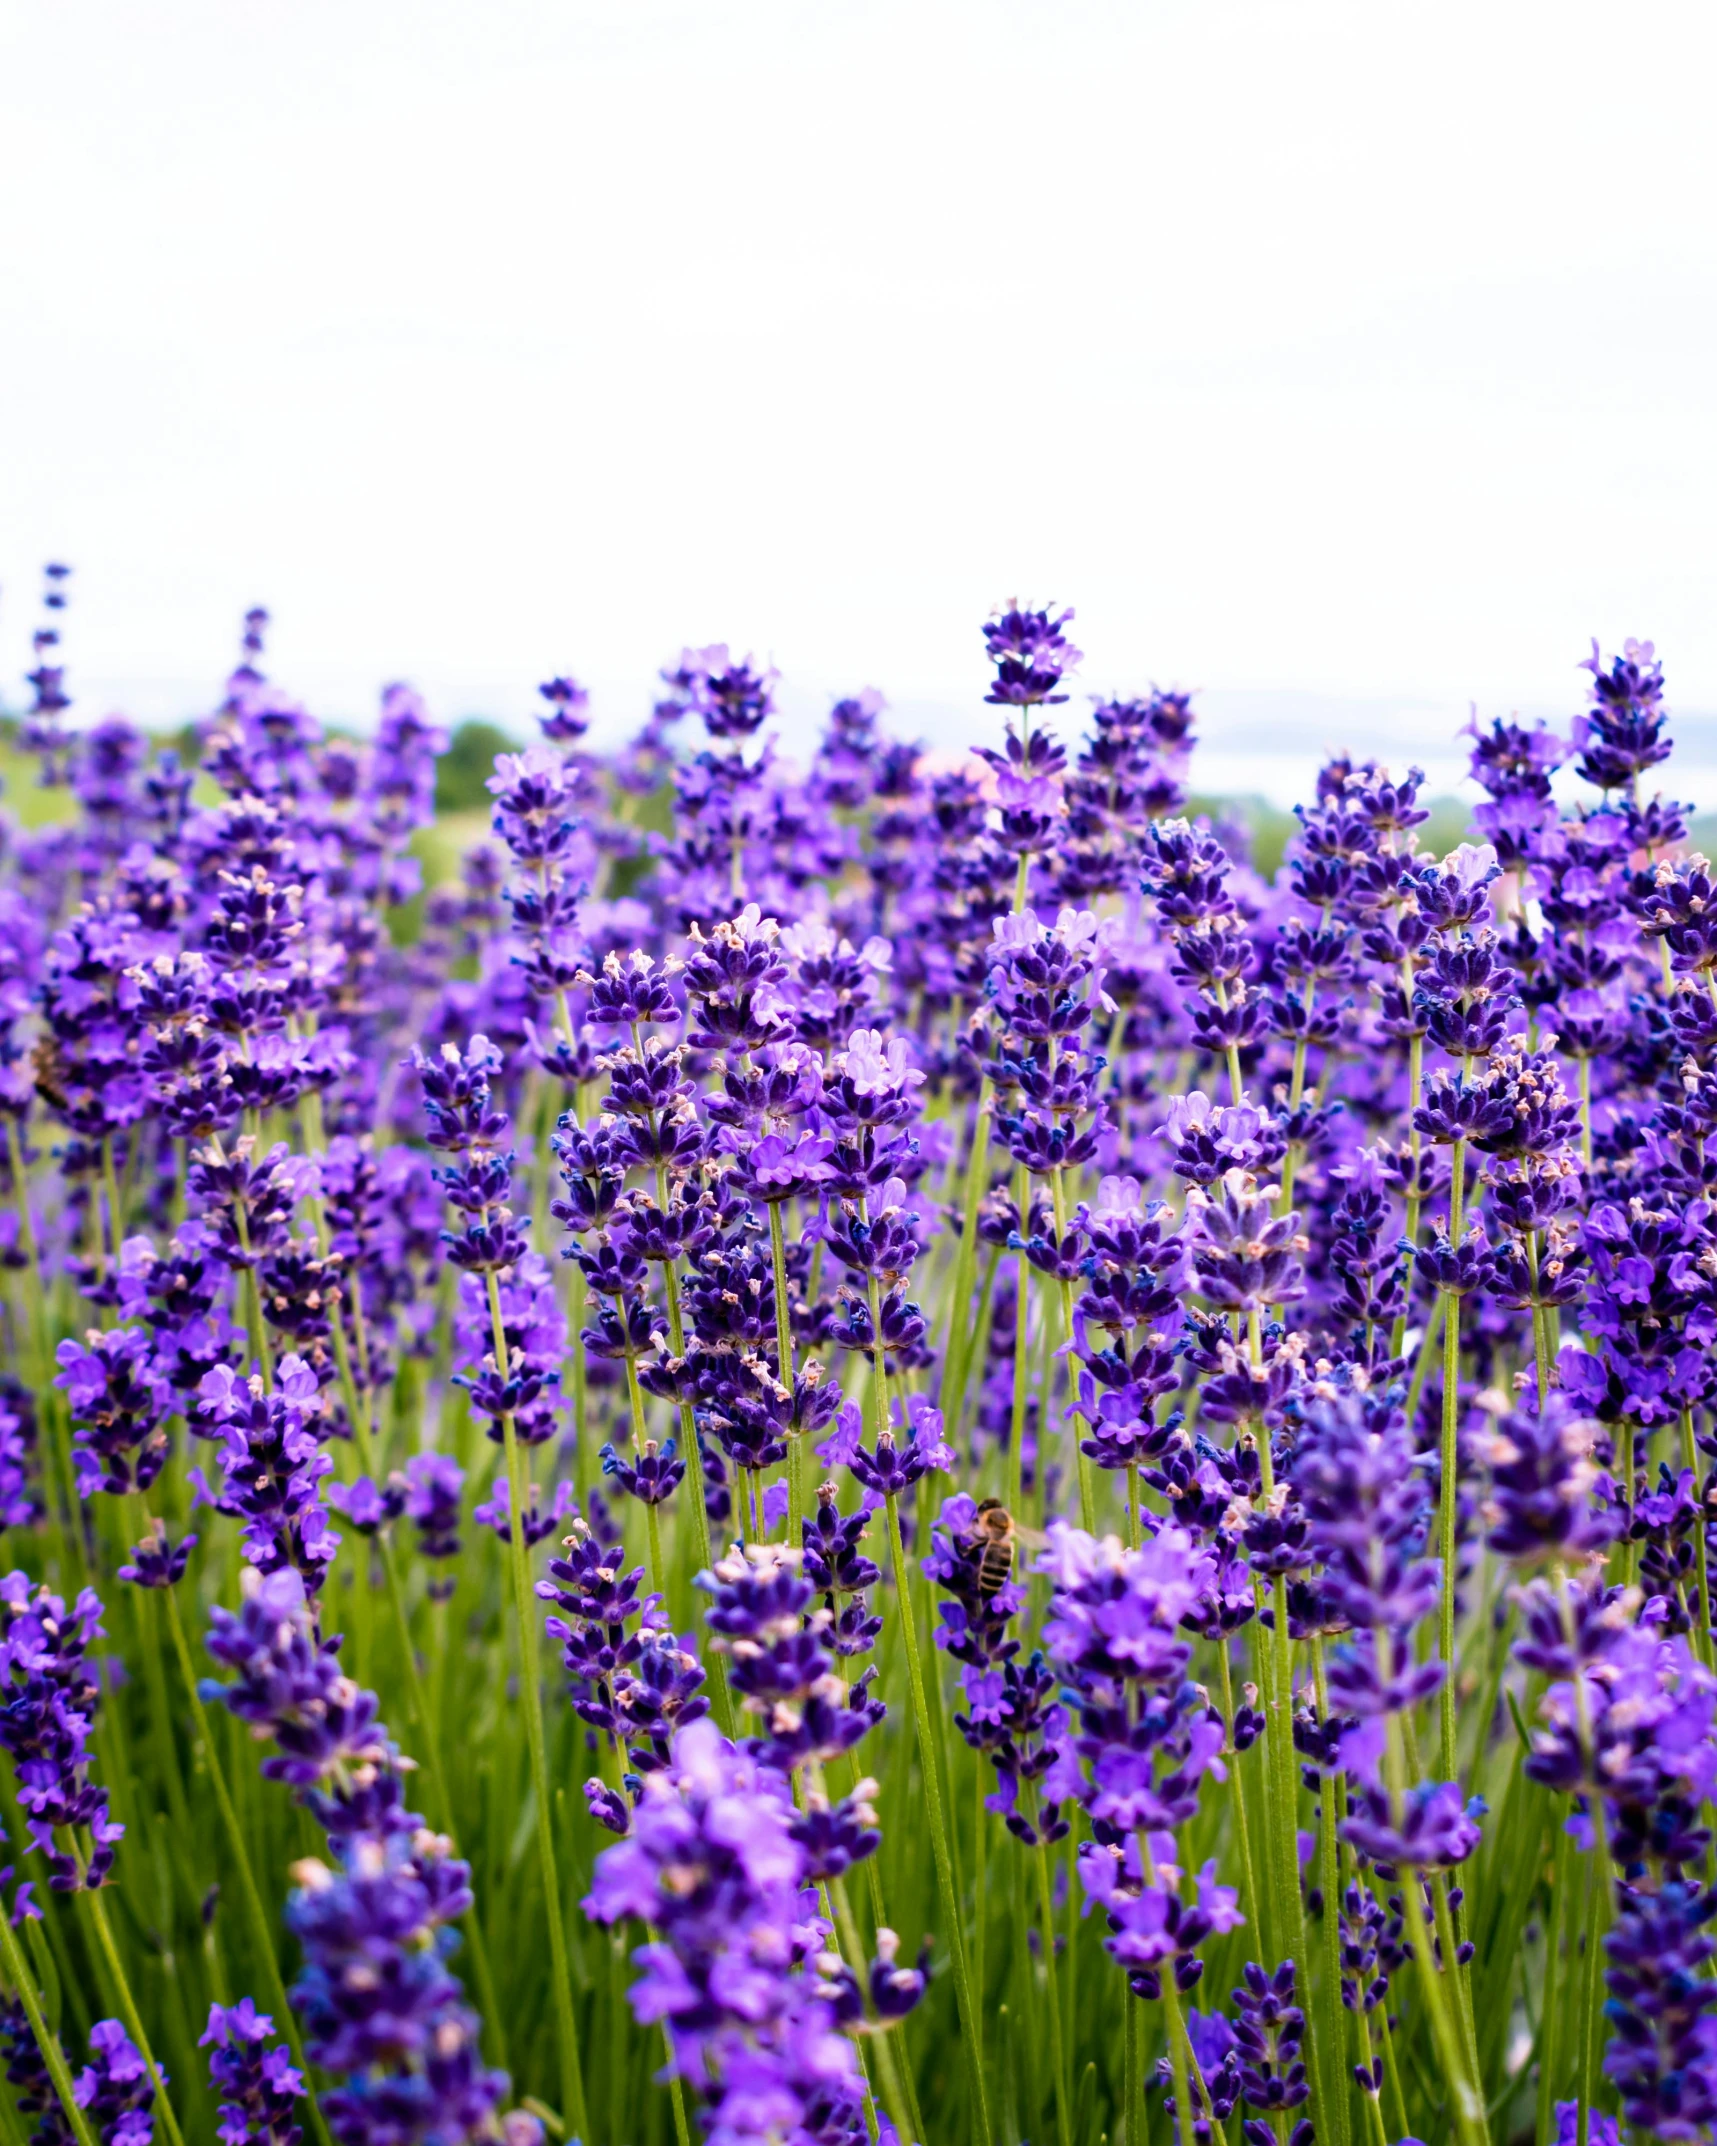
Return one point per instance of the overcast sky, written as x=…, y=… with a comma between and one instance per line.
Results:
x=1349, y=362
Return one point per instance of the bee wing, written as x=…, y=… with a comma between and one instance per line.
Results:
x=1030, y=1538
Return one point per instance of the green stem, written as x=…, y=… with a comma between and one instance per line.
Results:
x=1540, y=1320
x=60, y=1474
x=1702, y=1623
x=261, y=1928
x=653, y=1534
x=1249, y=1883
x=938, y=1826
x=115, y=1215
x=1427, y=1341
x=1133, y=2064
x=1583, y=1071
x=720, y=1696
x=785, y=1368
x=1448, y=1937
x=1467, y=2103
x=1331, y=2036
x=980, y=1887
x=571, y=2067
x=898, y=2091
x=1591, y=2011
x=128, y=2007
x=1550, y=1999
x=1087, y=1489
x=958, y=1349
x=1022, y=1380
x=1177, y=2038
x=1283, y=1767
x=1626, y=1549
x=1057, y=2045
x=1447, y=1504
x=1415, y=1089
x=53, y=2056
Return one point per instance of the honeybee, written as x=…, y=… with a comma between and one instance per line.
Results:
x=993, y=1534
x=47, y=1069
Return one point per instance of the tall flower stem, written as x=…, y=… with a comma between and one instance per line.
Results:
x=53, y=2056
x=1283, y=1796
x=1133, y=2066
x=1467, y=2102
x=959, y=1344
x=1177, y=2036
x=1057, y=2032
x=1087, y=1489
x=1541, y=1353
x=1422, y=1362
x=1061, y=2024
x=784, y=1361
x=1627, y=1551
x=898, y=2091
x=1331, y=2037
x=61, y=1475
x=1242, y=1829
x=1022, y=1353
x=1449, y=1489
x=722, y=1701
x=980, y=1887
x=1702, y=1623
x=1583, y=1073
x=128, y=2008
x=1591, y=2012
x=927, y=1759
x=261, y=1929
x=1447, y=1503
x=571, y=2067
x=1415, y=1095
x=653, y=1536
x=1550, y=1999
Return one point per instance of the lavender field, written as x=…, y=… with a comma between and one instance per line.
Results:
x=861, y=1453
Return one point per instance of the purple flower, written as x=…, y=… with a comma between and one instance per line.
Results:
x=496, y=1512
x=1031, y=655
x=1269, y=2028
x=50, y=1696
x=1245, y=1254
x=367, y=1508
x=158, y=1562
x=434, y=1485
x=257, y=2084
x=566, y=720
x=1601, y=2130
x=1662, y=2058
x=117, y=1400
x=1544, y=1501
x=654, y=1476
x=273, y=1467
x=376, y=1998
x=892, y=1467
x=116, y=2087
x=712, y=1863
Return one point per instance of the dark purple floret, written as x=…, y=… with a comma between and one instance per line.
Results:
x=47, y=1716
x=1269, y=2028
x=258, y=2086
x=117, y=1399
x=1662, y=2058
x=157, y=1561
x=115, y=2089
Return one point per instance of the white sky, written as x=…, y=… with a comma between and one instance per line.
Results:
x=1347, y=361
